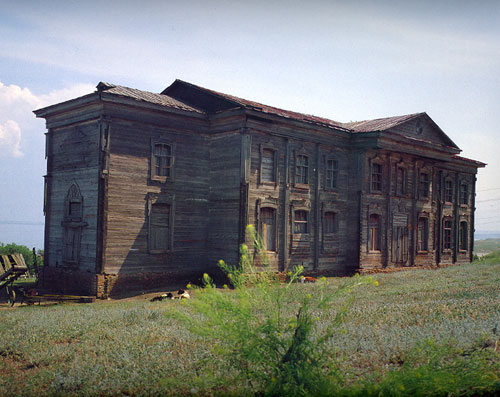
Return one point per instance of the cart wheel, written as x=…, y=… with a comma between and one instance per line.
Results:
x=12, y=295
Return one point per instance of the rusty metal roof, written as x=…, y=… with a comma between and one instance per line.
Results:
x=259, y=107
x=145, y=96
x=379, y=124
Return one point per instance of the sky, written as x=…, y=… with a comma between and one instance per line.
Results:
x=344, y=60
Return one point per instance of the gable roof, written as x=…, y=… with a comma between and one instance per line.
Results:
x=144, y=96
x=380, y=124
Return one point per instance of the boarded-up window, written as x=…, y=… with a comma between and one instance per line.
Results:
x=302, y=169
x=268, y=166
x=401, y=181
x=374, y=233
x=300, y=222
x=423, y=185
x=72, y=244
x=423, y=234
x=448, y=191
x=464, y=231
x=329, y=223
x=268, y=228
x=376, y=177
x=331, y=174
x=162, y=159
x=159, y=227
x=447, y=228
x=72, y=224
x=464, y=194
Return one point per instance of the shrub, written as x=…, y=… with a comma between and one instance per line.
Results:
x=271, y=348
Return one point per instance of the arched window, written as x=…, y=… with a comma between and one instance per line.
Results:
x=374, y=233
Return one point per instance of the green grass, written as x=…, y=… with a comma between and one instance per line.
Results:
x=420, y=332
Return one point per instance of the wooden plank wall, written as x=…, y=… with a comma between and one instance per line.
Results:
x=130, y=187
x=224, y=196
x=73, y=157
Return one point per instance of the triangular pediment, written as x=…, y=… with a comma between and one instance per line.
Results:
x=423, y=128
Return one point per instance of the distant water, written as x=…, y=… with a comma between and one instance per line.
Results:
x=30, y=235
x=483, y=235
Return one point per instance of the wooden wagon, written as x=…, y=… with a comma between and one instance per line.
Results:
x=12, y=266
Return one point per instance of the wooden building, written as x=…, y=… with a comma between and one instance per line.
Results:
x=143, y=188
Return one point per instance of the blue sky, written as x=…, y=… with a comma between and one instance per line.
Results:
x=345, y=60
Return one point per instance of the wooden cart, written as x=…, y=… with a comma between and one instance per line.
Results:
x=12, y=267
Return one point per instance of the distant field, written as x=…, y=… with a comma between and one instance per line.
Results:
x=419, y=332
x=482, y=247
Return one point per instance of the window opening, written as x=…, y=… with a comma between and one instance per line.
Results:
x=268, y=174
x=302, y=170
x=162, y=159
x=447, y=227
x=268, y=228
x=300, y=222
x=376, y=177
x=331, y=173
x=374, y=233
x=423, y=234
x=424, y=185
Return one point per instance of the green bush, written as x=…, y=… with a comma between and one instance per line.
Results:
x=266, y=330
x=27, y=253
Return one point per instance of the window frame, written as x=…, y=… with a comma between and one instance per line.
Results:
x=447, y=234
x=301, y=221
x=448, y=190
x=423, y=235
x=464, y=193
x=153, y=175
x=330, y=179
x=424, y=185
x=374, y=239
x=161, y=199
x=376, y=178
x=463, y=238
x=401, y=182
x=334, y=224
x=275, y=227
x=275, y=158
x=304, y=175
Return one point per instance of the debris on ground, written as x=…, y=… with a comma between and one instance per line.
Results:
x=181, y=294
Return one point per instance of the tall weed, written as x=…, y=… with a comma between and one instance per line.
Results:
x=266, y=330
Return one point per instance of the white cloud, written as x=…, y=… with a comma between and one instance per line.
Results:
x=16, y=113
x=10, y=139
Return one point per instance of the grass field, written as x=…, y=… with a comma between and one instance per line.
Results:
x=419, y=332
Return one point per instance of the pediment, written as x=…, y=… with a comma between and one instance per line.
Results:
x=423, y=128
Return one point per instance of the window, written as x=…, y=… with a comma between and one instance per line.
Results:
x=401, y=181
x=302, y=169
x=268, y=173
x=161, y=161
x=300, y=222
x=447, y=226
x=424, y=184
x=374, y=233
x=268, y=228
x=464, y=194
x=159, y=228
x=331, y=174
x=463, y=236
x=72, y=225
x=329, y=223
x=448, y=191
x=376, y=177
x=422, y=234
